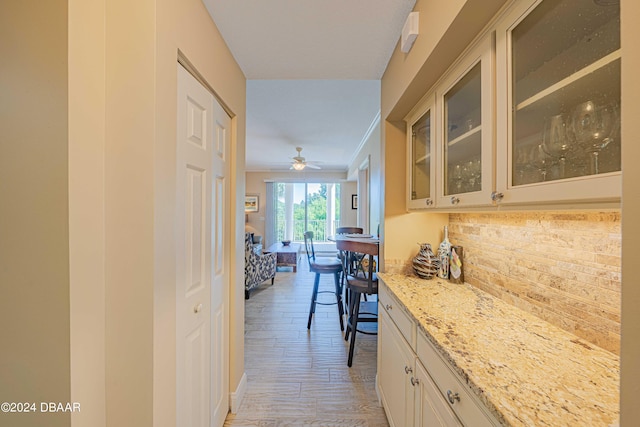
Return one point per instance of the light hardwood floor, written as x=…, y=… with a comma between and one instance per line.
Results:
x=299, y=377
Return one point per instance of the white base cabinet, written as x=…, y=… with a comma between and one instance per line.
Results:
x=397, y=360
x=431, y=410
x=415, y=385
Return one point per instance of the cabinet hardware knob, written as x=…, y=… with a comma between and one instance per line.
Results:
x=388, y=307
x=455, y=200
x=497, y=197
x=197, y=308
x=429, y=202
x=408, y=369
x=415, y=381
x=453, y=397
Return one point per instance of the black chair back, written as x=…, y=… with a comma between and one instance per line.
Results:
x=363, y=273
x=308, y=247
x=349, y=230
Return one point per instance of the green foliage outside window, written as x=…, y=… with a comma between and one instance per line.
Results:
x=309, y=210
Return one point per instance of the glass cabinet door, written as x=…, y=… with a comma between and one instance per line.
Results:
x=462, y=147
x=563, y=72
x=420, y=179
x=466, y=143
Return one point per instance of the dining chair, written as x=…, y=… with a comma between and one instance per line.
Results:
x=349, y=230
x=362, y=280
x=323, y=265
x=352, y=258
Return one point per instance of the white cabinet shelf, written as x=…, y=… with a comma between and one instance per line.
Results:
x=578, y=77
x=423, y=159
x=470, y=135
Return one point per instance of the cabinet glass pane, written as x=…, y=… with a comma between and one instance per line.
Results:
x=421, y=157
x=462, y=148
x=566, y=91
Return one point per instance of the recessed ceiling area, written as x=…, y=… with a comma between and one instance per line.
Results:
x=313, y=73
x=327, y=118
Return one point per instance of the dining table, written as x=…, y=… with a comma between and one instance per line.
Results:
x=353, y=248
x=356, y=243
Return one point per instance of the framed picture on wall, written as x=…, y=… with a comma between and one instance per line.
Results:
x=251, y=203
x=354, y=201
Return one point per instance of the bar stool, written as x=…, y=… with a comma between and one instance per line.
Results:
x=347, y=230
x=323, y=266
x=361, y=281
x=351, y=261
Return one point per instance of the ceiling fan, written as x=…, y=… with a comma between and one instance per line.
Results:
x=299, y=162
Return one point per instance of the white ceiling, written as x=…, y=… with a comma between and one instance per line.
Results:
x=313, y=73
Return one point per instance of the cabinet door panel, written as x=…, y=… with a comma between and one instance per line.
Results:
x=559, y=110
x=464, y=404
x=431, y=410
x=465, y=146
x=420, y=156
x=396, y=362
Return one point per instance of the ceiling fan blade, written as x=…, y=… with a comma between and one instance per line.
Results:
x=312, y=166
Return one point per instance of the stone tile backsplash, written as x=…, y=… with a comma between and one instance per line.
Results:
x=562, y=267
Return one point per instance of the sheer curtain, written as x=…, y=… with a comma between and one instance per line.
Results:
x=270, y=216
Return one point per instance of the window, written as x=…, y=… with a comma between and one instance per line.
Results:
x=301, y=207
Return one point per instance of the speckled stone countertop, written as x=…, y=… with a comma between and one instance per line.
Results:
x=526, y=371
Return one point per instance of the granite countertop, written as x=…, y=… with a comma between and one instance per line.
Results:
x=526, y=371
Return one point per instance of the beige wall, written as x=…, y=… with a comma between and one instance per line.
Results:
x=129, y=211
x=371, y=152
x=446, y=28
x=34, y=230
x=86, y=209
x=348, y=216
x=630, y=352
x=87, y=241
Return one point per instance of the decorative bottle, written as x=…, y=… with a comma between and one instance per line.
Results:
x=426, y=263
x=456, y=272
x=444, y=251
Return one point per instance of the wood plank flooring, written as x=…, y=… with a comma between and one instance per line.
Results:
x=299, y=377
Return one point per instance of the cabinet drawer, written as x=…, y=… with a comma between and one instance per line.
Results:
x=401, y=319
x=465, y=405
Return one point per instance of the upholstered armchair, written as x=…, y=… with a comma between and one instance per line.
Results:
x=258, y=267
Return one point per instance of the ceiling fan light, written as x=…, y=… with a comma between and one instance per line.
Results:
x=298, y=166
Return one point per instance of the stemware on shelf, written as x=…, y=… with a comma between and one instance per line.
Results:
x=593, y=127
x=555, y=141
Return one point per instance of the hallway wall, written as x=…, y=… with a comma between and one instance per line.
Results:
x=34, y=231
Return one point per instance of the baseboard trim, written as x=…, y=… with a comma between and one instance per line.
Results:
x=235, y=397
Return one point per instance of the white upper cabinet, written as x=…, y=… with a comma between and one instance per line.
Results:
x=528, y=116
x=558, y=102
x=421, y=179
x=465, y=137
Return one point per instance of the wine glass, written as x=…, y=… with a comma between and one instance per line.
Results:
x=593, y=127
x=457, y=177
x=555, y=141
x=540, y=161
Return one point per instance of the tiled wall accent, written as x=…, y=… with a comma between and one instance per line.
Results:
x=398, y=266
x=562, y=267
